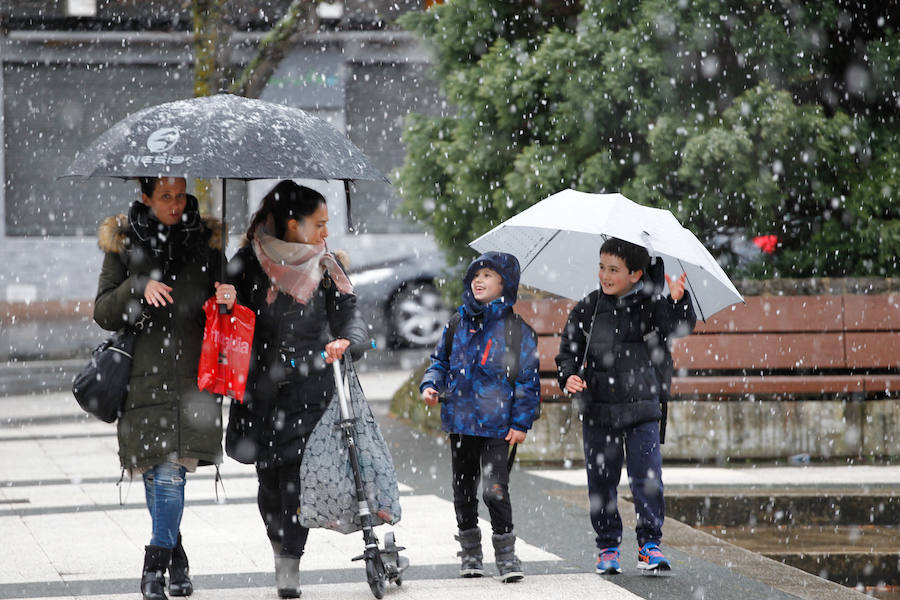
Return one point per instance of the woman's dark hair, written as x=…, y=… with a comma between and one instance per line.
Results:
x=286, y=201
x=148, y=185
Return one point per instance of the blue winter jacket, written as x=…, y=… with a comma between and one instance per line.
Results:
x=477, y=396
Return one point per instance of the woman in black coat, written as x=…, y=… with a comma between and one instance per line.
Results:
x=304, y=305
x=160, y=261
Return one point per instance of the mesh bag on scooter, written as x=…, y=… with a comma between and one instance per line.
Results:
x=327, y=490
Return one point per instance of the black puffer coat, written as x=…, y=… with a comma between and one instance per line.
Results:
x=289, y=385
x=628, y=351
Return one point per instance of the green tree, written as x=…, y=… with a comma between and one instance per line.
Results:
x=762, y=118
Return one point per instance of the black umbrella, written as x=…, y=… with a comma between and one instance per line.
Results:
x=223, y=136
x=227, y=137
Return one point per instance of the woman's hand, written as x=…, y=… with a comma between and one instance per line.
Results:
x=676, y=286
x=335, y=350
x=430, y=396
x=514, y=436
x=575, y=384
x=225, y=294
x=157, y=293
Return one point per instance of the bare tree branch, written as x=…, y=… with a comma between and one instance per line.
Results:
x=206, y=15
x=300, y=17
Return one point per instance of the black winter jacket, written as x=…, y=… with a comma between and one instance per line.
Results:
x=164, y=415
x=289, y=384
x=628, y=351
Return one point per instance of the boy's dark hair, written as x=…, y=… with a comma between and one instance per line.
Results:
x=635, y=257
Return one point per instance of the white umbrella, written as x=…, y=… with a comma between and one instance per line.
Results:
x=557, y=242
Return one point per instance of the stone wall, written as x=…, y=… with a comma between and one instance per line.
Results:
x=828, y=428
x=715, y=431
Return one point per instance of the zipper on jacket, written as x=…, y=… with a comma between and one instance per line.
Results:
x=487, y=351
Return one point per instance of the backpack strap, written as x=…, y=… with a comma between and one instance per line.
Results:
x=512, y=326
x=452, y=326
x=662, y=374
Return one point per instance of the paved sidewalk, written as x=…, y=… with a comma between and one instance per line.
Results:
x=65, y=535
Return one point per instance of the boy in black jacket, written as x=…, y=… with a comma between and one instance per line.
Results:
x=613, y=352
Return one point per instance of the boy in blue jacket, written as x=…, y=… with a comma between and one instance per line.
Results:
x=485, y=370
x=614, y=351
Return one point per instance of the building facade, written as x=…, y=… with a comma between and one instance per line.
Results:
x=70, y=69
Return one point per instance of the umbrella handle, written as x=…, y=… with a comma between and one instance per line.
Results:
x=646, y=237
x=223, y=309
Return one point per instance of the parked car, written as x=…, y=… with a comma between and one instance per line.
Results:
x=394, y=275
x=400, y=300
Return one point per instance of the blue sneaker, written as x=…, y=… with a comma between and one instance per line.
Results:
x=650, y=558
x=608, y=561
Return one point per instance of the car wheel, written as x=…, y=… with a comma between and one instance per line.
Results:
x=418, y=315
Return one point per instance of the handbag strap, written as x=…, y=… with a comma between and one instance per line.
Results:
x=350, y=370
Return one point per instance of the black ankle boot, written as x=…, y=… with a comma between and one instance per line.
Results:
x=287, y=573
x=470, y=555
x=508, y=564
x=153, y=577
x=179, y=572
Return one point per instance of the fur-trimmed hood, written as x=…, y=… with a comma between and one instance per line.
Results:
x=113, y=232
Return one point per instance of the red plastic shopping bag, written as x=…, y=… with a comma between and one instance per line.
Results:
x=225, y=357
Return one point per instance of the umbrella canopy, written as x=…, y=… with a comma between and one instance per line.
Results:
x=557, y=242
x=223, y=136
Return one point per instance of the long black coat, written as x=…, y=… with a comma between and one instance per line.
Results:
x=628, y=353
x=165, y=413
x=289, y=384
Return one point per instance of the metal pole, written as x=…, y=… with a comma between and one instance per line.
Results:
x=224, y=231
x=223, y=309
x=342, y=396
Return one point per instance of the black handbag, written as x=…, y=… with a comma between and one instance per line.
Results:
x=102, y=385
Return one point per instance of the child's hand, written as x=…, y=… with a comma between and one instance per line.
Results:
x=676, y=287
x=430, y=396
x=514, y=436
x=575, y=384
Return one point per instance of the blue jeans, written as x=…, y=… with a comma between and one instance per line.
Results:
x=603, y=457
x=164, y=491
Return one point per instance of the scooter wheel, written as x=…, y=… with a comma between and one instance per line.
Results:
x=375, y=579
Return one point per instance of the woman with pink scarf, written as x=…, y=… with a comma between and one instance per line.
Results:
x=304, y=304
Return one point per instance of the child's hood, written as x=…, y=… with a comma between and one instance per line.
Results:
x=506, y=265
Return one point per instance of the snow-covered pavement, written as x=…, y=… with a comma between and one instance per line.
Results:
x=64, y=533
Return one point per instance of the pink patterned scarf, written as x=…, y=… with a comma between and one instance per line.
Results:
x=296, y=269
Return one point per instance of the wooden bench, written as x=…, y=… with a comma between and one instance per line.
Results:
x=781, y=347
